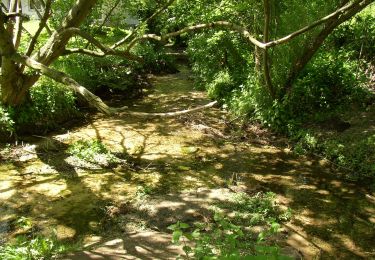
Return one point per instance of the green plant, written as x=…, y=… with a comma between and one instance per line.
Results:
x=35, y=248
x=93, y=151
x=6, y=122
x=225, y=237
x=224, y=240
x=50, y=104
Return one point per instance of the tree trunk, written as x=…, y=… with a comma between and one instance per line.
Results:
x=14, y=83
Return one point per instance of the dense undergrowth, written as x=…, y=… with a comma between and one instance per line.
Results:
x=322, y=103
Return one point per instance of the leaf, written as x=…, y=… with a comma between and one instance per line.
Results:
x=172, y=227
x=183, y=168
x=176, y=236
x=184, y=225
x=187, y=249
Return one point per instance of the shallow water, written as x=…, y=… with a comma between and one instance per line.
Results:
x=331, y=218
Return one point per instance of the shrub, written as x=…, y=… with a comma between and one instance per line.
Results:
x=31, y=249
x=6, y=123
x=356, y=36
x=329, y=83
x=95, y=73
x=50, y=104
x=92, y=151
x=154, y=58
x=221, y=86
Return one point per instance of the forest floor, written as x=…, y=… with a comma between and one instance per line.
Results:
x=179, y=167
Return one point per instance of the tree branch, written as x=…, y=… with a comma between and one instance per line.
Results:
x=92, y=99
x=42, y=25
x=122, y=41
x=170, y=114
x=41, y=17
x=64, y=79
x=18, y=29
x=333, y=15
x=313, y=47
x=266, y=34
x=224, y=24
x=105, y=50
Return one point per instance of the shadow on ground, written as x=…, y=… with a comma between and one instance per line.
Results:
x=177, y=169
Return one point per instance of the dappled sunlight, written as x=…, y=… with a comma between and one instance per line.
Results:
x=175, y=169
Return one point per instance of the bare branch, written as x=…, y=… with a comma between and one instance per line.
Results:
x=18, y=29
x=64, y=79
x=266, y=34
x=224, y=24
x=160, y=10
x=105, y=50
x=170, y=114
x=106, y=18
x=42, y=25
x=16, y=14
x=41, y=17
x=335, y=14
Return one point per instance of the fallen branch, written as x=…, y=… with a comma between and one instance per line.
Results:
x=91, y=98
x=171, y=114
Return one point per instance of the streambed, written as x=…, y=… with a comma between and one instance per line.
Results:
x=186, y=163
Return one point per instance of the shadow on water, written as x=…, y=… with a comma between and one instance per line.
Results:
x=184, y=165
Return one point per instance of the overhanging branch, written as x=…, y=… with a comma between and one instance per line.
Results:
x=245, y=33
x=92, y=99
x=157, y=12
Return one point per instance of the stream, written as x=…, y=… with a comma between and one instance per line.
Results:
x=186, y=161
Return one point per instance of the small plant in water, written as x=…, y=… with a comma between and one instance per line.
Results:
x=93, y=151
x=229, y=238
x=34, y=247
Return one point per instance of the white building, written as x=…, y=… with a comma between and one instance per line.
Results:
x=28, y=7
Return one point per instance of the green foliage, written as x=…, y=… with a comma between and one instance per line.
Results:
x=220, y=86
x=352, y=154
x=93, y=151
x=226, y=238
x=218, y=53
x=95, y=73
x=154, y=58
x=50, y=104
x=34, y=249
x=329, y=83
x=356, y=36
x=6, y=122
x=258, y=209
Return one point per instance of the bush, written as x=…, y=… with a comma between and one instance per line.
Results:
x=35, y=248
x=154, y=58
x=97, y=73
x=329, y=84
x=50, y=105
x=356, y=36
x=6, y=124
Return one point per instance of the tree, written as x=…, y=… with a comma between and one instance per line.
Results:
x=20, y=71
